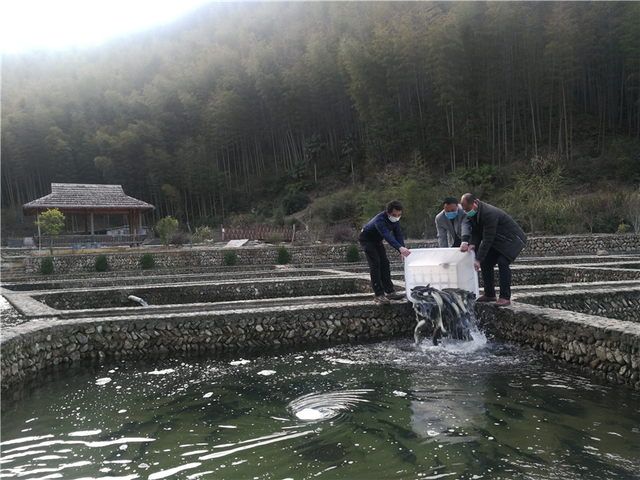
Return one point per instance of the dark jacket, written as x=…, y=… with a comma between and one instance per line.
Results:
x=491, y=227
x=379, y=228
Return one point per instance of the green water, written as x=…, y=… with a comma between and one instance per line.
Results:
x=377, y=411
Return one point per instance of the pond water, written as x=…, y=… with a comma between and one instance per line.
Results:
x=390, y=410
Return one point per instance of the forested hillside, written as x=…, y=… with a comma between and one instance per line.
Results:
x=250, y=110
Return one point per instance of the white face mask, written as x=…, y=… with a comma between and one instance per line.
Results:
x=393, y=219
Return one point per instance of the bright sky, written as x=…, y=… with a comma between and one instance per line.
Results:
x=28, y=24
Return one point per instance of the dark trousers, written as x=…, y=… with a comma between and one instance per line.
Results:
x=379, y=267
x=492, y=259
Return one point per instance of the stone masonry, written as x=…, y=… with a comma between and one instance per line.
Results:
x=581, y=309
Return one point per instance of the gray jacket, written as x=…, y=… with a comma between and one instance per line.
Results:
x=491, y=227
x=447, y=231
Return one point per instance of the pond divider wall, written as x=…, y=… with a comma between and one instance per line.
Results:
x=308, y=254
x=592, y=325
x=41, y=344
x=607, y=347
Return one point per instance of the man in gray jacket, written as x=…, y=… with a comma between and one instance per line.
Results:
x=452, y=224
x=497, y=240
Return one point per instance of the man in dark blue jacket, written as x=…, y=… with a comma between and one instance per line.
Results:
x=497, y=240
x=371, y=237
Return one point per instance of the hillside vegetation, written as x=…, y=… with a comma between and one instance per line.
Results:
x=251, y=112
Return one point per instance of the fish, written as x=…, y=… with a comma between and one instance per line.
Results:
x=452, y=307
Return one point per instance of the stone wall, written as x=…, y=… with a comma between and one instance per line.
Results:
x=206, y=292
x=311, y=254
x=609, y=348
x=582, y=244
x=193, y=257
x=620, y=305
x=38, y=345
x=538, y=319
x=541, y=275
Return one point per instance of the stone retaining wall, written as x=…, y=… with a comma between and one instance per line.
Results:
x=206, y=292
x=582, y=244
x=192, y=257
x=38, y=345
x=609, y=348
x=528, y=275
x=620, y=305
x=312, y=254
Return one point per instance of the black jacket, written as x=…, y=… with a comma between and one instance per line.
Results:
x=491, y=227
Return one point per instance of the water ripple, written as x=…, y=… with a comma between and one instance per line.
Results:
x=323, y=406
x=253, y=443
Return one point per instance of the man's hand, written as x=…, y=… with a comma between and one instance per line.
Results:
x=465, y=247
x=405, y=252
x=476, y=265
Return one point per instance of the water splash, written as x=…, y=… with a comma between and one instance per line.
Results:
x=450, y=311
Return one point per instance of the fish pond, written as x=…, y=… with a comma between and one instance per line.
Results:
x=390, y=410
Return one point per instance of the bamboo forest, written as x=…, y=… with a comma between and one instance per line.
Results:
x=247, y=112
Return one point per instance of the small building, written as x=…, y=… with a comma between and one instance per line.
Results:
x=89, y=200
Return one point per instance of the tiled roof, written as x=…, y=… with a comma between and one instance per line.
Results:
x=81, y=196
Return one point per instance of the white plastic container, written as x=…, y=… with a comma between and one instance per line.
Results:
x=440, y=268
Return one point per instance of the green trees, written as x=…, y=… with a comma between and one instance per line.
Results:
x=534, y=196
x=101, y=263
x=166, y=228
x=147, y=262
x=283, y=255
x=353, y=253
x=51, y=223
x=46, y=267
x=204, y=122
x=230, y=257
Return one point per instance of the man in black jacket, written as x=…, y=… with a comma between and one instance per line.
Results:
x=497, y=240
x=380, y=228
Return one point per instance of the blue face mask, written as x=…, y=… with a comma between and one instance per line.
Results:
x=451, y=215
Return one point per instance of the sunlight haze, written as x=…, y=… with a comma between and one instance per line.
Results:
x=29, y=25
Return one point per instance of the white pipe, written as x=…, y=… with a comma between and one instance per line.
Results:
x=133, y=298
